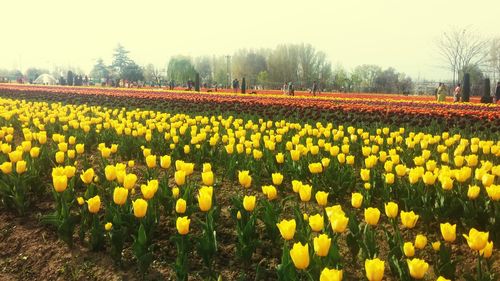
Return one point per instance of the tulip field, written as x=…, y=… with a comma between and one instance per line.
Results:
x=175, y=185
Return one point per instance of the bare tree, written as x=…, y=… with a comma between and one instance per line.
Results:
x=461, y=48
x=494, y=60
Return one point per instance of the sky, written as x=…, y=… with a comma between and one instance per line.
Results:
x=389, y=33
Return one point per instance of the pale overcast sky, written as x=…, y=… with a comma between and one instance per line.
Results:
x=398, y=33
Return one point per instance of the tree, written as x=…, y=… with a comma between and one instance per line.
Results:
x=387, y=81
x=366, y=75
x=180, y=69
x=152, y=74
x=494, y=60
x=203, y=66
x=120, y=58
x=32, y=73
x=99, y=72
x=132, y=72
x=248, y=63
x=262, y=78
x=460, y=48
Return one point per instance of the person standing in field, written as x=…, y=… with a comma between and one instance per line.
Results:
x=291, y=91
x=441, y=92
x=285, y=88
x=314, y=88
x=457, y=93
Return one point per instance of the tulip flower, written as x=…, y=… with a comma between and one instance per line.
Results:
x=409, y=219
x=315, y=168
x=182, y=225
x=448, y=231
x=487, y=250
x=277, y=178
x=110, y=172
x=80, y=201
x=280, y=158
x=374, y=269
x=180, y=177
x=420, y=241
x=59, y=157
x=473, y=192
x=295, y=155
x=441, y=278
x=60, y=183
x=408, y=249
x=108, y=226
x=165, y=161
x=175, y=192
x=20, y=166
x=207, y=167
x=180, y=206
x=477, y=240
x=330, y=275
x=80, y=148
x=300, y=255
x=365, y=174
x=35, y=152
x=120, y=195
x=372, y=215
x=69, y=171
x=391, y=210
x=151, y=161
x=321, y=198
x=417, y=268
x=338, y=222
x=287, y=228
x=129, y=181
x=305, y=192
x=493, y=192
x=249, y=203
x=322, y=245
x=296, y=185
x=140, y=207
x=245, y=179
x=207, y=178
x=356, y=200
x=94, y=204
x=6, y=167
x=316, y=222
x=204, y=200
x=436, y=246
x=87, y=176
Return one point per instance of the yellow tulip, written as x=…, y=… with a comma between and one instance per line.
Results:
x=372, y=215
x=180, y=206
x=365, y=174
x=417, y=268
x=280, y=158
x=120, y=195
x=391, y=210
x=207, y=167
x=339, y=222
x=151, y=161
x=80, y=201
x=277, y=178
x=441, y=278
x=295, y=155
x=409, y=249
x=321, y=198
x=448, y=231
x=409, y=219
x=110, y=172
x=140, y=207
x=245, y=179
x=487, y=180
x=330, y=275
x=80, y=148
x=296, y=185
x=305, y=192
x=446, y=183
x=204, y=200
x=429, y=178
x=400, y=170
x=487, y=250
x=207, y=178
x=316, y=222
x=60, y=183
x=165, y=161
x=59, y=157
x=374, y=269
x=477, y=240
x=249, y=203
x=300, y=255
x=436, y=246
x=21, y=166
x=473, y=191
x=322, y=245
x=35, y=152
x=356, y=200
x=108, y=226
x=105, y=152
x=87, y=176
x=287, y=228
x=315, y=168
x=94, y=204
x=420, y=241
x=129, y=181
x=182, y=225
x=493, y=192
x=180, y=177
x=175, y=192
x=6, y=167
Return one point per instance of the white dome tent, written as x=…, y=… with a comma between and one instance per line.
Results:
x=45, y=79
